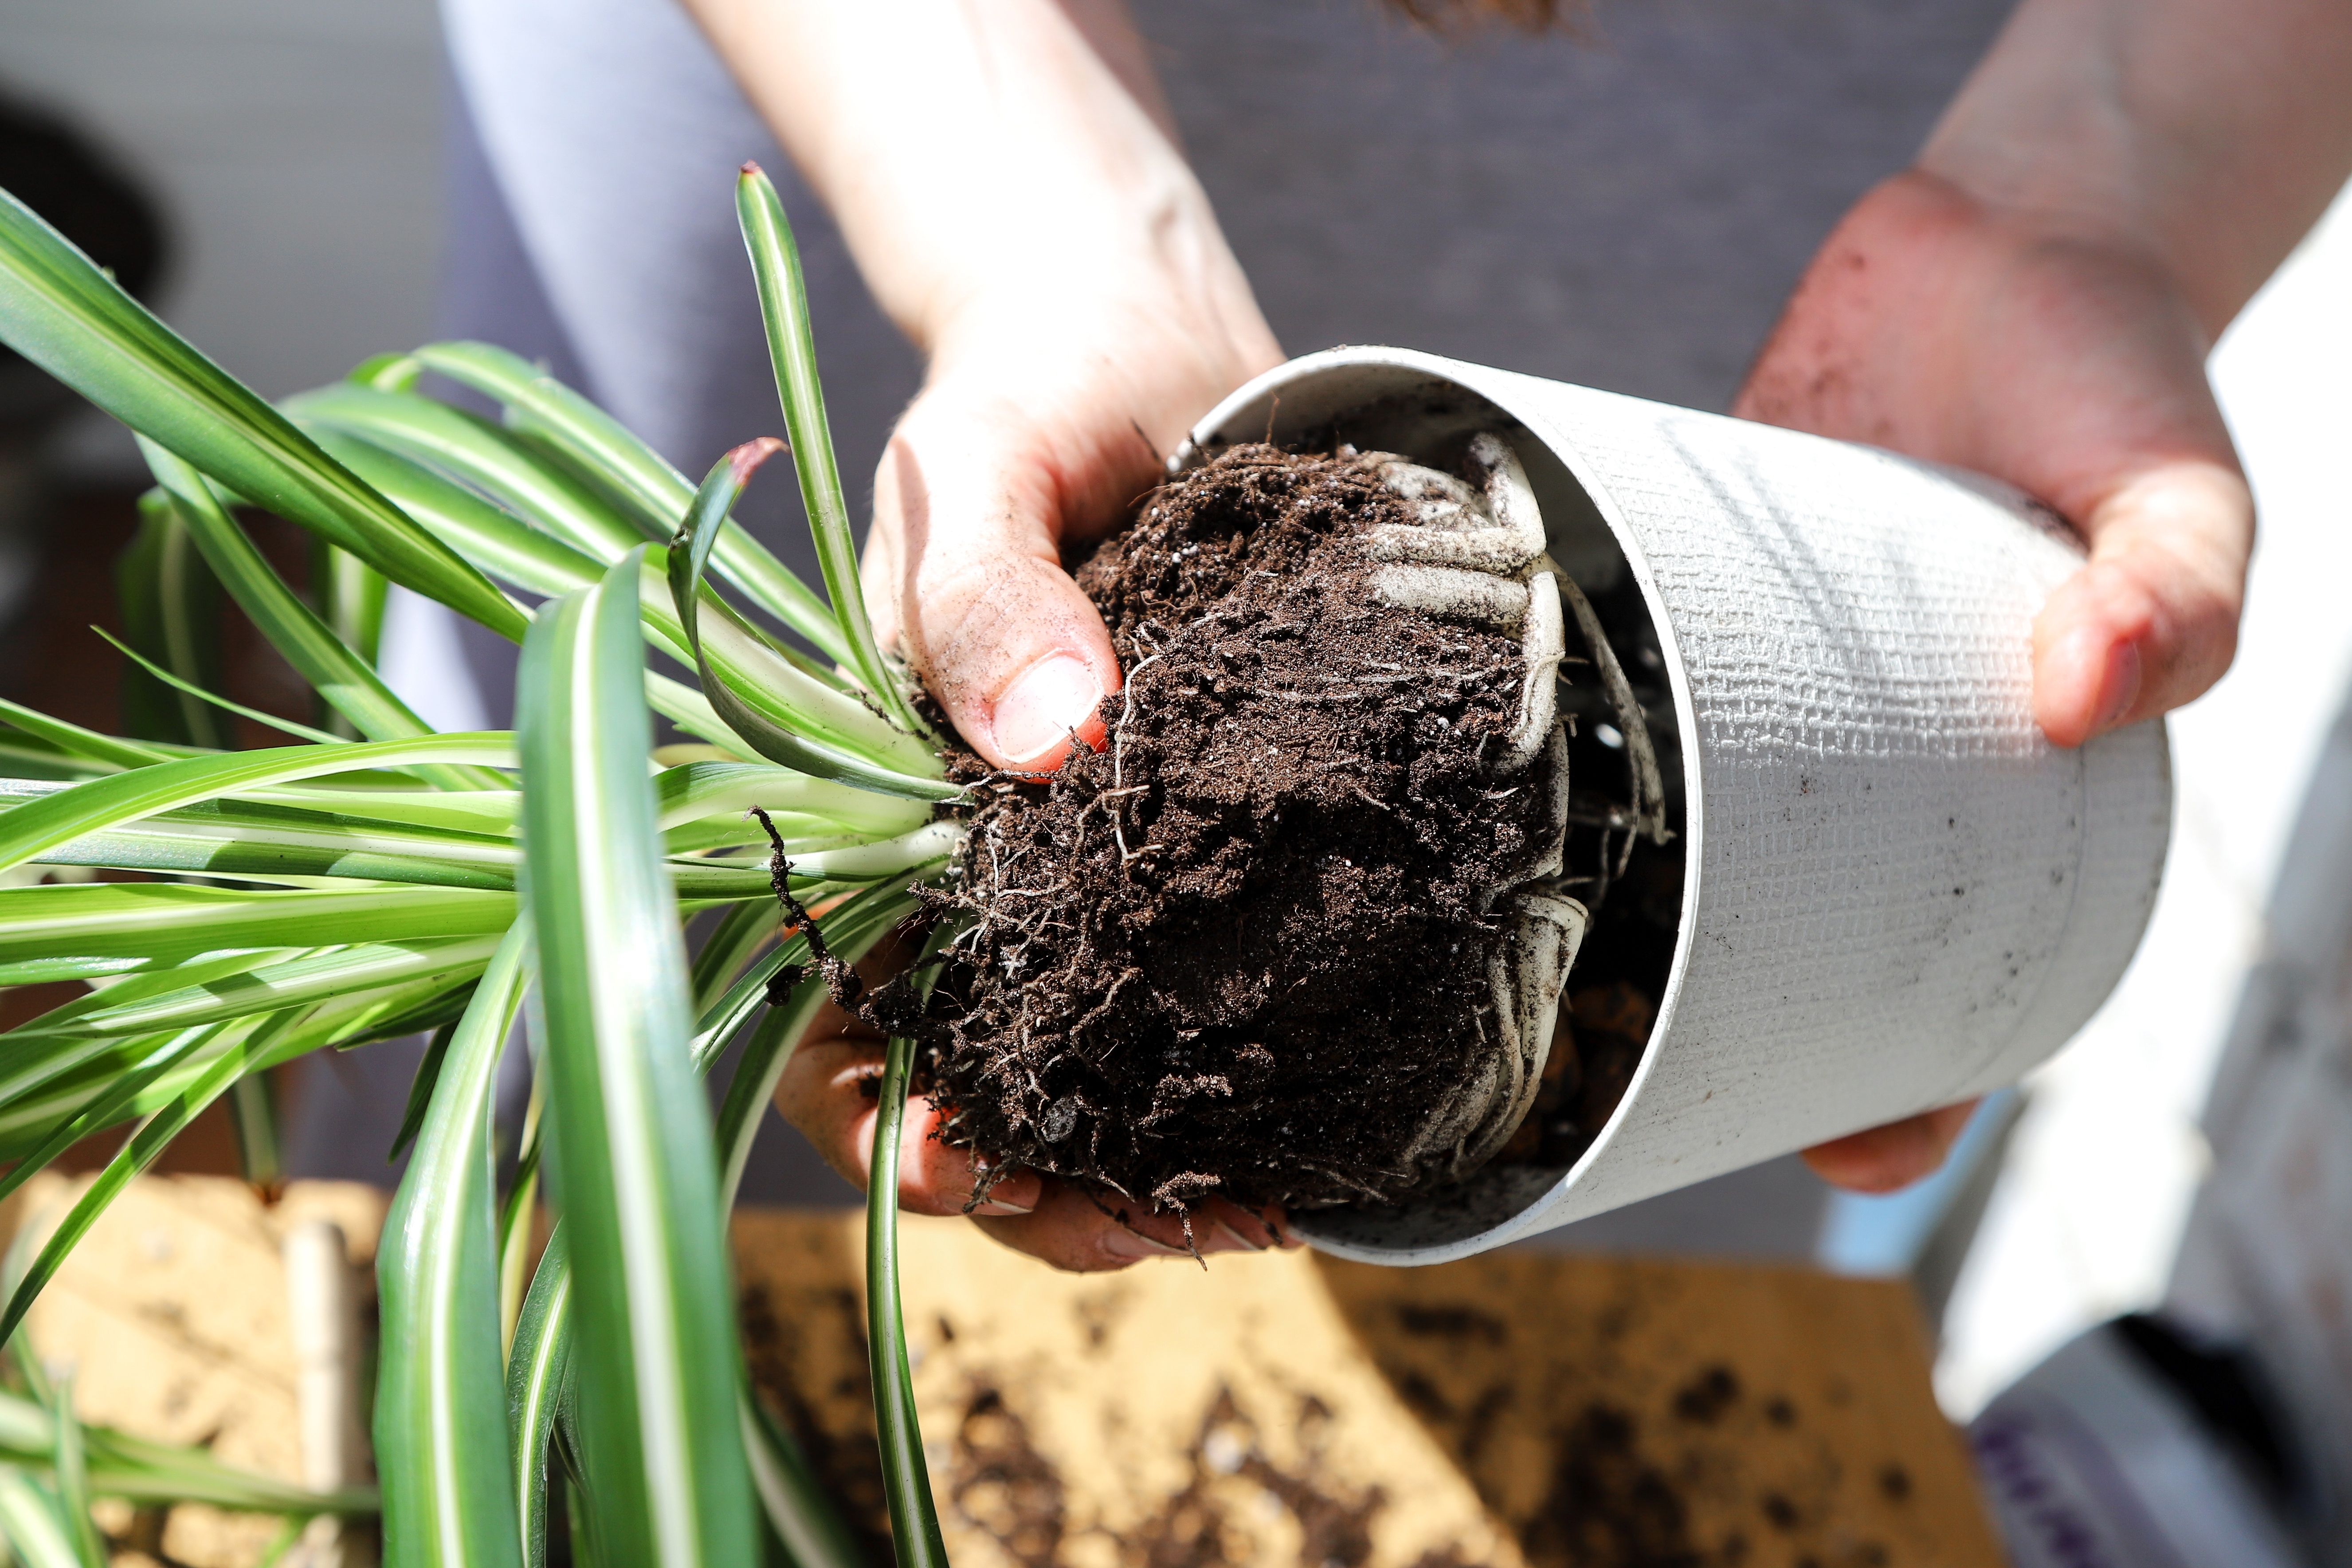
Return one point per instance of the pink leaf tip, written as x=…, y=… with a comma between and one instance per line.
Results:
x=745, y=459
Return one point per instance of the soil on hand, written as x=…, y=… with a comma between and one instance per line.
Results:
x=1243, y=950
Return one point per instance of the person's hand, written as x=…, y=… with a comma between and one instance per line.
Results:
x=2067, y=362
x=1023, y=447
x=1009, y=179
x=827, y=1092
x=1041, y=424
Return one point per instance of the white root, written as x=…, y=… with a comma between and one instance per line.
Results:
x=1641, y=756
x=1498, y=533
x=1542, y=644
x=1528, y=971
x=1544, y=935
x=1453, y=593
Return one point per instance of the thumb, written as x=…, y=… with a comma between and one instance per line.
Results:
x=2151, y=620
x=965, y=570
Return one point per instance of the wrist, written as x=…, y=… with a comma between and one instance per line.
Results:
x=1128, y=272
x=2202, y=136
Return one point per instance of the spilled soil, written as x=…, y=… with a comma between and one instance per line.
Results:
x=1590, y=1414
x=1241, y=951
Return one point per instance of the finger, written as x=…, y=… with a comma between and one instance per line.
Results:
x=935, y=1177
x=2152, y=620
x=967, y=572
x=2070, y=367
x=828, y=1091
x=1079, y=1234
x=1882, y=1159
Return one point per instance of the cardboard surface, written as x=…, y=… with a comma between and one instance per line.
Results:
x=1516, y=1409
x=172, y=1314
x=1513, y=1411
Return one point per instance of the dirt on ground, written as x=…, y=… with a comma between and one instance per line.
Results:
x=1281, y=1411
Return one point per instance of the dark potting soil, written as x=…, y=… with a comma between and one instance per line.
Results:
x=1240, y=950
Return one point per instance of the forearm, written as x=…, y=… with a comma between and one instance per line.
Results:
x=2211, y=133
x=1015, y=151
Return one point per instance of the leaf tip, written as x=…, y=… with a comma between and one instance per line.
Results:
x=744, y=461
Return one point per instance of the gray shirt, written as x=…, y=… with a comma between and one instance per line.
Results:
x=1626, y=206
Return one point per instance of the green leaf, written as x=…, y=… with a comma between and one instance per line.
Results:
x=171, y=613
x=788, y=1493
x=342, y=679
x=94, y=1065
x=511, y=550
x=851, y=931
x=253, y=1118
x=520, y=1210
x=795, y=1505
x=539, y=1368
x=471, y=812
x=740, y=933
x=111, y=1105
x=792, y=348
x=213, y=701
x=101, y=802
x=793, y=1497
x=353, y=596
x=394, y=371
x=707, y=790
x=70, y=1472
x=63, y=313
x=240, y=1054
x=906, y=1478
x=503, y=545
x=656, y=493
x=143, y=1471
x=98, y=1063
x=440, y=1413
x=165, y=921
x=470, y=450
x=420, y=1092
x=218, y=838
x=24, y=757
x=633, y=1168
x=104, y=751
x=310, y=977
x=778, y=729
x=33, y=1524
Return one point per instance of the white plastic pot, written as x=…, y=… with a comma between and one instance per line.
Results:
x=1897, y=893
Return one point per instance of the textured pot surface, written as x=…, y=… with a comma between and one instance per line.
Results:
x=1898, y=894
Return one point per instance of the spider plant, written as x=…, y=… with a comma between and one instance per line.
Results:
x=52, y=1465
x=374, y=878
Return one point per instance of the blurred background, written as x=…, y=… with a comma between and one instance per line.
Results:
x=269, y=173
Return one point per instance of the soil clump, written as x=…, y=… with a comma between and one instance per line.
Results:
x=1242, y=949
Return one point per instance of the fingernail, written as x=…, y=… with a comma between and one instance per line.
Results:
x=1016, y=1194
x=2121, y=684
x=1240, y=1242
x=1046, y=702
x=1130, y=1246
